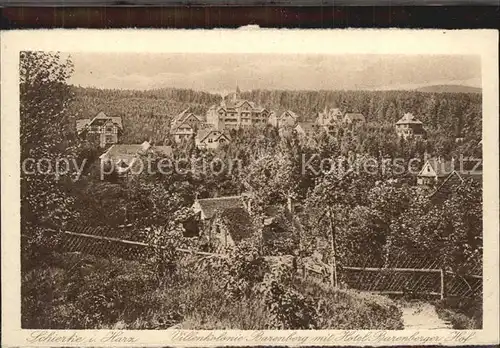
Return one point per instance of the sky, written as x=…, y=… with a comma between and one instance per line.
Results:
x=221, y=73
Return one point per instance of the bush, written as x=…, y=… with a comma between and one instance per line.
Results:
x=241, y=292
x=463, y=313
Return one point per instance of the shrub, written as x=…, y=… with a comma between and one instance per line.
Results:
x=463, y=313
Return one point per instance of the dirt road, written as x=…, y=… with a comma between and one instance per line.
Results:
x=422, y=315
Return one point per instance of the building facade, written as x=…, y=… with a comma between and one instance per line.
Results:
x=104, y=129
x=409, y=126
x=328, y=118
x=211, y=139
x=287, y=119
x=234, y=112
x=185, y=125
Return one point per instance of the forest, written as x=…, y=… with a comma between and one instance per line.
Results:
x=375, y=215
x=147, y=114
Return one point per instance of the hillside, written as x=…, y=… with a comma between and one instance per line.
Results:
x=449, y=89
x=147, y=114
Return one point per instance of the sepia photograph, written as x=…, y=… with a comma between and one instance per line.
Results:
x=250, y=191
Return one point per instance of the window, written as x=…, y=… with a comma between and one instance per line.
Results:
x=221, y=140
x=109, y=139
x=210, y=140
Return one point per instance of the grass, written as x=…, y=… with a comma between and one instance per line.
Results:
x=85, y=292
x=462, y=313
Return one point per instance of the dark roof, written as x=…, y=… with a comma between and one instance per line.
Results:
x=210, y=205
x=101, y=118
x=408, y=118
x=238, y=223
x=455, y=178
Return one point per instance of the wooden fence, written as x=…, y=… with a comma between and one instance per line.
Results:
x=407, y=281
x=384, y=280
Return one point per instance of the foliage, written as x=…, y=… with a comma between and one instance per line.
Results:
x=44, y=101
x=463, y=313
x=85, y=292
x=365, y=214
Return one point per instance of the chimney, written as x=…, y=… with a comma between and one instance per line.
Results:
x=247, y=201
x=289, y=203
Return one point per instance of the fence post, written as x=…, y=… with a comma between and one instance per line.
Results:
x=442, y=283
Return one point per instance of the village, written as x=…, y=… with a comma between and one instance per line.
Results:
x=347, y=209
x=211, y=131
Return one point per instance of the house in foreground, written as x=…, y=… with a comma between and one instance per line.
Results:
x=223, y=221
x=470, y=170
x=124, y=159
x=103, y=128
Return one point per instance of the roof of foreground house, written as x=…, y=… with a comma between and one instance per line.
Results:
x=238, y=222
x=210, y=205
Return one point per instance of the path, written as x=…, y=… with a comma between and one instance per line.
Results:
x=422, y=315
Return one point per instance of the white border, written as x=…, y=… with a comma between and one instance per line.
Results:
x=391, y=41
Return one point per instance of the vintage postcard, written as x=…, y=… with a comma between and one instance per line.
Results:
x=249, y=187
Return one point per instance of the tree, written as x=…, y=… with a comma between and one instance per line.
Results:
x=45, y=140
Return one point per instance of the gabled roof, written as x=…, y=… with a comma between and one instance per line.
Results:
x=119, y=151
x=441, y=168
x=162, y=150
x=182, y=118
x=179, y=117
x=455, y=177
x=204, y=133
x=210, y=205
x=100, y=119
x=81, y=124
x=408, y=118
x=354, y=116
x=306, y=126
x=238, y=222
x=289, y=112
